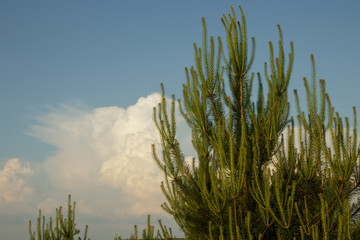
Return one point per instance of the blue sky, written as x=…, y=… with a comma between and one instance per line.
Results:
x=75, y=76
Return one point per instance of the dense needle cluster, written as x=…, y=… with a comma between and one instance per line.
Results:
x=258, y=174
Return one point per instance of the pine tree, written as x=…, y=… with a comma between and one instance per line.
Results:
x=258, y=173
x=64, y=229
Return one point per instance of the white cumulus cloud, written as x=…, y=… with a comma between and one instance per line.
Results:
x=13, y=185
x=104, y=157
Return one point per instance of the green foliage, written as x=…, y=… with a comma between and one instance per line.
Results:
x=256, y=175
x=149, y=233
x=64, y=229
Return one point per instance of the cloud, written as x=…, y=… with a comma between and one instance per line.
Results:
x=13, y=185
x=104, y=158
x=49, y=205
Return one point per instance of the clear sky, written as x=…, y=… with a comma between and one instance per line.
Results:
x=78, y=80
